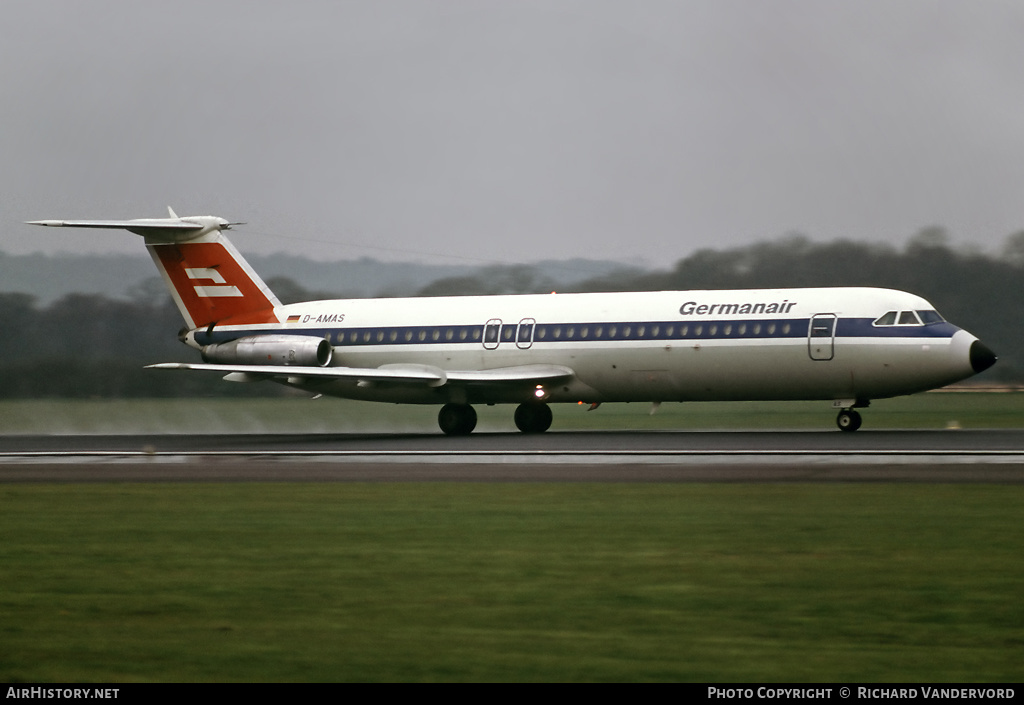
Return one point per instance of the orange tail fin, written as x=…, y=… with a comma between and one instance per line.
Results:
x=211, y=282
x=209, y=279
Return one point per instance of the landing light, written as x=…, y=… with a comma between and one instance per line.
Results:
x=540, y=392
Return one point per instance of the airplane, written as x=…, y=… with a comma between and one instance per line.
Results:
x=844, y=345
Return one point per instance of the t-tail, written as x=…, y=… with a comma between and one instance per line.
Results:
x=208, y=278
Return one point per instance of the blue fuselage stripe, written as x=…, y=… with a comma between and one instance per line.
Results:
x=613, y=331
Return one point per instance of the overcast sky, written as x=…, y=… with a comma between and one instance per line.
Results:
x=512, y=131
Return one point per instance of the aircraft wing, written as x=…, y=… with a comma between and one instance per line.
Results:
x=526, y=374
x=394, y=374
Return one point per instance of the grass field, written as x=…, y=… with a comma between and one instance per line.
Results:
x=933, y=410
x=515, y=582
x=508, y=582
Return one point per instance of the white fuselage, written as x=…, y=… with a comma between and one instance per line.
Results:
x=659, y=346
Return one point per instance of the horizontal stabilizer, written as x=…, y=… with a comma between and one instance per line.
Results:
x=152, y=224
x=171, y=229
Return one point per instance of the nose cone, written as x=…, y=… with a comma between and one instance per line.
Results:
x=981, y=357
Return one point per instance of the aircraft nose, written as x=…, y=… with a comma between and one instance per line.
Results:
x=981, y=356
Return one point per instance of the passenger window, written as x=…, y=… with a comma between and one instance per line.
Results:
x=887, y=319
x=909, y=318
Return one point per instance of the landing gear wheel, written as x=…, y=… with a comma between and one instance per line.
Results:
x=457, y=419
x=533, y=418
x=848, y=420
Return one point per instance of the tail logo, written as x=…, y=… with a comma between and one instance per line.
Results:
x=206, y=291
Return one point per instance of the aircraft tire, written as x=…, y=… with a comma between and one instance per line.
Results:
x=457, y=419
x=848, y=420
x=533, y=418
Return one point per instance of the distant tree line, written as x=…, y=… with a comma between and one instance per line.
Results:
x=93, y=346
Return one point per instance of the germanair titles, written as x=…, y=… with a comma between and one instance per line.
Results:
x=692, y=308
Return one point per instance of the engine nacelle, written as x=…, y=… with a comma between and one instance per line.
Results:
x=302, y=350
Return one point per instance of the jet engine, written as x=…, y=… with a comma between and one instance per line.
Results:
x=302, y=350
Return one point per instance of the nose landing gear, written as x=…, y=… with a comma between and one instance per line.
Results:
x=848, y=420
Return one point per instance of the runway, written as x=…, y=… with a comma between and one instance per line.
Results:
x=659, y=456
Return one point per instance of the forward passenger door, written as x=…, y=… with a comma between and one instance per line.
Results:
x=821, y=337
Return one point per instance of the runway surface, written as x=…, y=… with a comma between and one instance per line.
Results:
x=877, y=456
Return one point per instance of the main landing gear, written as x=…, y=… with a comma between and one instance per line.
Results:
x=457, y=419
x=460, y=419
x=533, y=418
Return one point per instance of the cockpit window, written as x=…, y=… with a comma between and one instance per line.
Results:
x=887, y=319
x=908, y=318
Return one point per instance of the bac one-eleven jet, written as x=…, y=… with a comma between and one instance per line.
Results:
x=843, y=345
